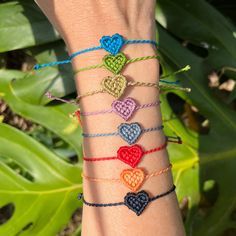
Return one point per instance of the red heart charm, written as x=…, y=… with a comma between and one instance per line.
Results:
x=130, y=155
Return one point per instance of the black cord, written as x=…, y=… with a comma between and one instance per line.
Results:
x=162, y=194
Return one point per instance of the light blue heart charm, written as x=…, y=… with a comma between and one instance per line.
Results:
x=130, y=132
x=112, y=44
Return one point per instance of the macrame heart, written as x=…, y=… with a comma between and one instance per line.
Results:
x=129, y=132
x=115, y=63
x=124, y=108
x=137, y=202
x=112, y=44
x=114, y=85
x=133, y=179
x=130, y=155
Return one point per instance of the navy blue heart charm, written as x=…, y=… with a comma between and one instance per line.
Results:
x=130, y=132
x=136, y=202
x=112, y=44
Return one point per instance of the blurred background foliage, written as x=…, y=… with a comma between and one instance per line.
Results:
x=40, y=144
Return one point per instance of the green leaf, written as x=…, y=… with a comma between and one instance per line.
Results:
x=65, y=127
x=22, y=24
x=201, y=24
x=48, y=201
x=216, y=150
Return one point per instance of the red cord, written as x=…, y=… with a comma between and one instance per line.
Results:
x=156, y=149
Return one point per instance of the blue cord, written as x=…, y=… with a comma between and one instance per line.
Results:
x=170, y=82
x=54, y=63
x=141, y=41
x=84, y=51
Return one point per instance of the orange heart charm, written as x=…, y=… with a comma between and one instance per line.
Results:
x=132, y=178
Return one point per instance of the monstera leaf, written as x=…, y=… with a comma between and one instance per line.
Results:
x=213, y=154
x=22, y=24
x=43, y=203
x=43, y=198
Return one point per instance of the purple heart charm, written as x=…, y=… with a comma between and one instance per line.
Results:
x=124, y=108
x=112, y=44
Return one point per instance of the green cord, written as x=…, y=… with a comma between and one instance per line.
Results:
x=186, y=68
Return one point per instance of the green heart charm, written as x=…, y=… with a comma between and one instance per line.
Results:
x=114, y=85
x=115, y=63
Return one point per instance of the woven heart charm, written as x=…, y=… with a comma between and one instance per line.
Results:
x=130, y=155
x=137, y=202
x=124, y=108
x=112, y=44
x=115, y=63
x=114, y=85
x=132, y=178
x=129, y=132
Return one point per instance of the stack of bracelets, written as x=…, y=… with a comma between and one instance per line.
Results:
x=133, y=153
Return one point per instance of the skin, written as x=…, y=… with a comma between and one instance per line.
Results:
x=81, y=24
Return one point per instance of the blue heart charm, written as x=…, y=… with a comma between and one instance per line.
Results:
x=112, y=44
x=129, y=132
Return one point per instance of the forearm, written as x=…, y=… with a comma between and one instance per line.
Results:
x=82, y=24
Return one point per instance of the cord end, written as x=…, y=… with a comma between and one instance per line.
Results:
x=36, y=67
x=186, y=68
x=80, y=196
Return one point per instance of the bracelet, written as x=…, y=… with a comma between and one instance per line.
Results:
x=111, y=44
x=124, y=108
x=129, y=132
x=116, y=63
x=136, y=202
x=117, y=84
x=131, y=178
x=186, y=68
x=131, y=155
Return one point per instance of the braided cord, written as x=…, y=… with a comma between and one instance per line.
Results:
x=85, y=135
x=145, y=84
x=141, y=41
x=81, y=197
x=175, y=87
x=84, y=51
x=148, y=105
x=89, y=68
x=93, y=113
x=50, y=96
x=156, y=173
x=99, y=135
x=156, y=149
x=89, y=94
x=162, y=194
x=54, y=63
x=186, y=68
x=115, y=158
x=101, y=204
